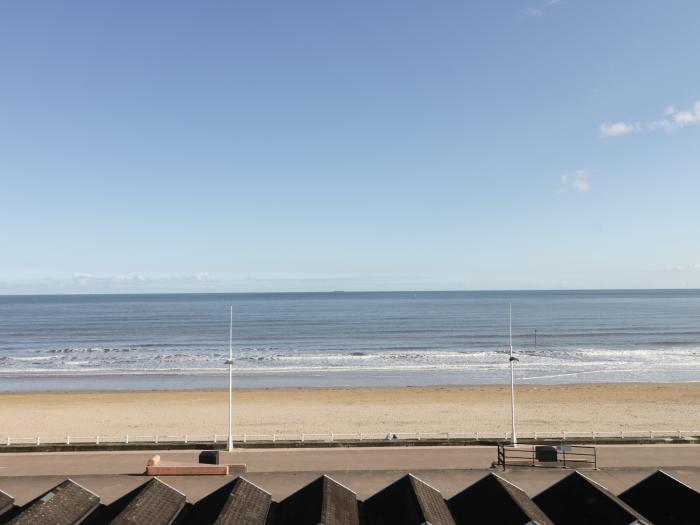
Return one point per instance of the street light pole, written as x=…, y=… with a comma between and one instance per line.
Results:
x=514, y=439
x=230, y=383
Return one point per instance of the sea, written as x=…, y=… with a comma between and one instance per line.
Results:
x=181, y=341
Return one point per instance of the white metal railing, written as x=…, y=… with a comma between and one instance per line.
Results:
x=330, y=437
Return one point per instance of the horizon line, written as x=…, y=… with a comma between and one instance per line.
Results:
x=340, y=292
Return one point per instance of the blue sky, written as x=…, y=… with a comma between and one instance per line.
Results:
x=315, y=145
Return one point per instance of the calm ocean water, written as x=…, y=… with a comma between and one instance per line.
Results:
x=314, y=339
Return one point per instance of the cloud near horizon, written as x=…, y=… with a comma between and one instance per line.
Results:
x=204, y=282
x=672, y=119
x=128, y=278
x=683, y=267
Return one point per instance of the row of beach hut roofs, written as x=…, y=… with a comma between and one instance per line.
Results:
x=576, y=500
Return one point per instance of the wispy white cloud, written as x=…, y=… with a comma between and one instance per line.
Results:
x=540, y=9
x=618, y=129
x=128, y=278
x=253, y=282
x=683, y=267
x=578, y=181
x=672, y=119
x=136, y=279
x=691, y=116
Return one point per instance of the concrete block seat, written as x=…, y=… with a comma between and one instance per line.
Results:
x=157, y=467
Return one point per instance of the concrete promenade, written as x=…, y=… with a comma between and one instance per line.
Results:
x=364, y=470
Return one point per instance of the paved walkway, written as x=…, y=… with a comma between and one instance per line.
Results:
x=364, y=470
x=331, y=459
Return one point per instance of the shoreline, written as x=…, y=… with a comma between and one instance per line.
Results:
x=541, y=408
x=328, y=379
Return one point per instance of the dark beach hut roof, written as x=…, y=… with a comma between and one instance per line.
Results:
x=324, y=501
x=408, y=501
x=578, y=500
x=492, y=499
x=6, y=502
x=247, y=504
x=65, y=504
x=663, y=499
x=238, y=502
x=154, y=502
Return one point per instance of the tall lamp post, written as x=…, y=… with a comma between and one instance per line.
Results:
x=512, y=360
x=229, y=362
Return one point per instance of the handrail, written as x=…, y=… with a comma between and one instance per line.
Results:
x=526, y=455
x=319, y=437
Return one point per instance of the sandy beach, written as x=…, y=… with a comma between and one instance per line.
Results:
x=585, y=407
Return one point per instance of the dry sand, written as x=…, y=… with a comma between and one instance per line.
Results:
x=599, y=407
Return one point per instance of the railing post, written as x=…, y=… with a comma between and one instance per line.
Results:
x=97, y=440
x=9, y=440
x=563, y=449
x=67, y=440
x=680, y=435
x=245, y=438
x=186, y=439
x=595, y=459
x=302, y=437
x=126, y=439
x=651, y=434
x=155, y=440
x=214, y=438
x=38, y=441
x=476, y=436
x=361, y=436
x=331, y=437
x=418, y=436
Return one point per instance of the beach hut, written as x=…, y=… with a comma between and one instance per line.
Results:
x=493, y=499
x=65, y=504
x=408, y=501
x=239, y=502
x=154, y=502
x=7, y=502
x=324, y=501
x=578, y=500
x=664, y=499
